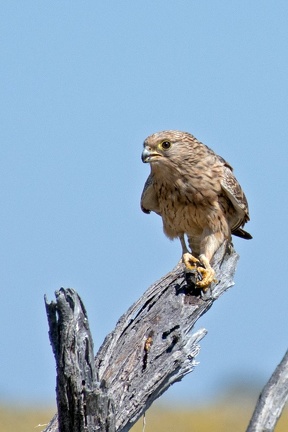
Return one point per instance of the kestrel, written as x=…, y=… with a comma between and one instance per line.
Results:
x=196, y=194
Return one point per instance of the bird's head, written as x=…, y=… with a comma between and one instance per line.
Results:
x=163, y=147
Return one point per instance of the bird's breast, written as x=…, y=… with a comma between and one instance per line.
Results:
x=182, y=212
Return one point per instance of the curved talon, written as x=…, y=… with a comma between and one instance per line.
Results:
x=203, y=269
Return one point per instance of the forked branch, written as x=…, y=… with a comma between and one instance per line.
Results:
x=151, y=348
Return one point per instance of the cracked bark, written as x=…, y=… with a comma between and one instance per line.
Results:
x=151, y=348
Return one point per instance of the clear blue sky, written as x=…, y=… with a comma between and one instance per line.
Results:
x=82, y=85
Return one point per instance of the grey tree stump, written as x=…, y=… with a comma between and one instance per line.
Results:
x=151, y=348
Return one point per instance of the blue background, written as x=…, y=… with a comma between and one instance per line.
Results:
x=82, y=85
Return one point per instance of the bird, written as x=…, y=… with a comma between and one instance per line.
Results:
x=195, y=192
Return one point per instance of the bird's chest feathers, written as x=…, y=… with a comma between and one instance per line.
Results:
x=182, y=207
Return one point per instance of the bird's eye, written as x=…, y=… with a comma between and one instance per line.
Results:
x=165, y=145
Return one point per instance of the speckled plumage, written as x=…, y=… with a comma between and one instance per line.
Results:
x=196, y=193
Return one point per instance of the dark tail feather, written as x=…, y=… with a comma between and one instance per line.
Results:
x=239, y=232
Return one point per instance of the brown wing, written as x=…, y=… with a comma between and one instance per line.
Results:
x=149, y=201
x=237, y=197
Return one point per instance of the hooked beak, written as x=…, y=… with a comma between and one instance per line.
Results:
x=147, y=156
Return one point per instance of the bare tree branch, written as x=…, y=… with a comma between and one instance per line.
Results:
x=271, y=400
x=150, y=349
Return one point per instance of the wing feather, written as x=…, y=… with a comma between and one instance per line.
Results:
x=235, y=194
x=149, y=201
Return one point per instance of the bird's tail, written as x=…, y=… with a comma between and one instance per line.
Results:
x=239, y=232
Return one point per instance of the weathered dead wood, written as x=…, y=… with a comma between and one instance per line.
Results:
x=77, y=388
x=271, y=400
x=150, y=349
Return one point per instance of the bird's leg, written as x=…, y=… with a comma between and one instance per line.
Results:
x=183, y=244
x=210, y=242
x=207, y=273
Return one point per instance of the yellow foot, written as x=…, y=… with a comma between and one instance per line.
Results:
x=206, y=272
x=191, y=263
